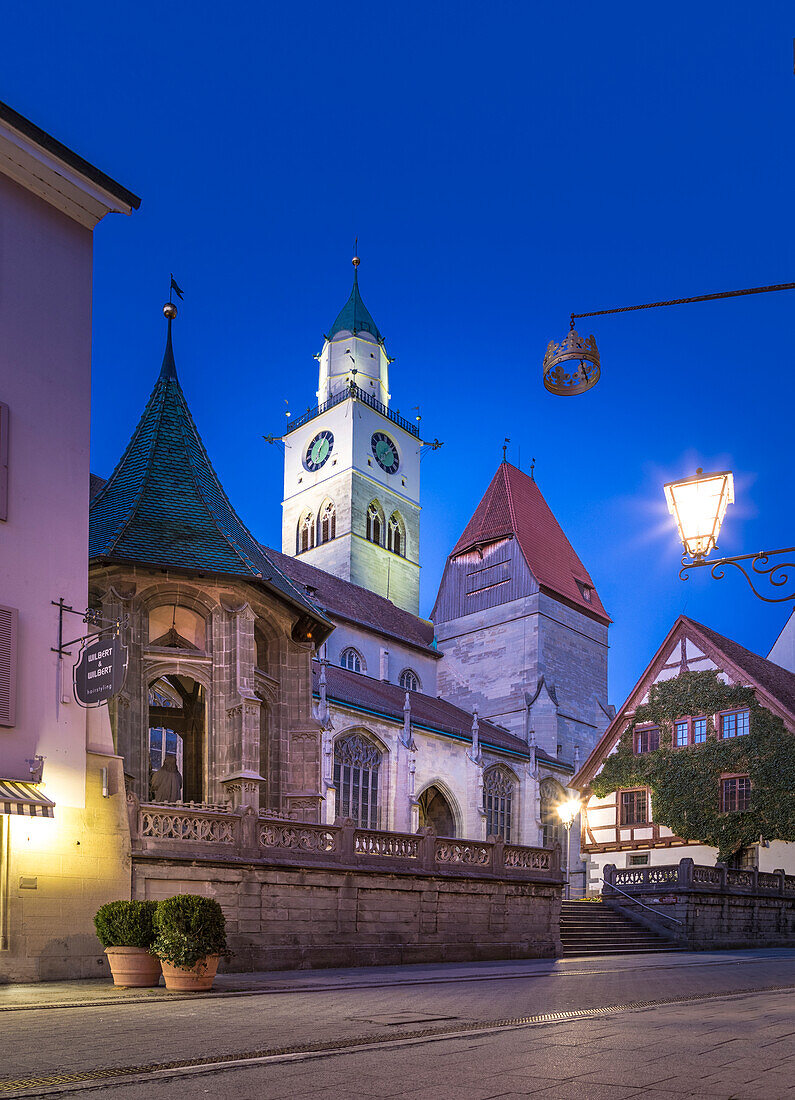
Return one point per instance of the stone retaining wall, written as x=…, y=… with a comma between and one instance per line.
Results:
x=281, y=918
x=297, y=894
x=702, y=908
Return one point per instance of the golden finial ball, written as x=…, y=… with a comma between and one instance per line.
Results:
x=170, y=311
x=356, y=261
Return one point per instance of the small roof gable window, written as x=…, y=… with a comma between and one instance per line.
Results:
x=175, y=627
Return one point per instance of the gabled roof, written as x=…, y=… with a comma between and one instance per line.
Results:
x=774, y=686
x=164, y=506
x=358, y=690
x=513, y=506
x=63, y=153
x=354, y=316
x=344, y=600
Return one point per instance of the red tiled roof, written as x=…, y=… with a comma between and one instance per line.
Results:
x=344, y=600
x=358, y=690
x=513, y=505
x=778, y=682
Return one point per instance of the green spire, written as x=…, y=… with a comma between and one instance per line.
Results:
x=164, y=505
x=355, y=316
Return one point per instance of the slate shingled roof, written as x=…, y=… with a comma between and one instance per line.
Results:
x=344, y=600
x=513, y=505
x=164, y=506
x=355, y=689
x=355, y=316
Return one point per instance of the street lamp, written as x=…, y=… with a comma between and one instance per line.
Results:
x=698, y=505
x=567, y=812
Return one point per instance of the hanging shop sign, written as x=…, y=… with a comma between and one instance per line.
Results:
x=101, y=671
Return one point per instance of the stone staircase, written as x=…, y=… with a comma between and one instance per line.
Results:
x=593, y=928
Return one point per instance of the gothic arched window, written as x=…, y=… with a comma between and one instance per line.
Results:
x=498, y=785
x=306, y=533
x=552, y=794
x=351, y=659
x=375, y=524
x=356, y=764
x=409, y=680
x=327, y=523
x=396, y=535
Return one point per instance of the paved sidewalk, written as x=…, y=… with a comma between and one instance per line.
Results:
x=730, y=1049
x=94, y=991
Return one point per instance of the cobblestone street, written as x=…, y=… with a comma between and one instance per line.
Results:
x=722, y=1026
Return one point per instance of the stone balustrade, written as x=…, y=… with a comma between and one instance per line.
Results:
x=195, y=831
x=704, y=907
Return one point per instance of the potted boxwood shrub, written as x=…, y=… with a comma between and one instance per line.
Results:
x=126, y=931
x=191, y=937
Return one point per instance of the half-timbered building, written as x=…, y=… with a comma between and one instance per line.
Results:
x=700, y=690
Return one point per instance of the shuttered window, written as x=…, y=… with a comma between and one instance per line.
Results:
x=8, y=665
x=3, y=461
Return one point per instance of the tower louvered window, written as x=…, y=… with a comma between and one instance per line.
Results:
x=396, y=539
x=375, y=524
x=306, y=533
x=328, y=523
x=8, y=665
x=498, y=802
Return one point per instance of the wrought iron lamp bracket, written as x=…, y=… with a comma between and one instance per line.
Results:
x=777, y=574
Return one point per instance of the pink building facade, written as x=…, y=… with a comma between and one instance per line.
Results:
x=61, y=838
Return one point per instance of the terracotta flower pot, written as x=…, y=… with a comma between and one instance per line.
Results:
x=193, y=979
x=133, y=967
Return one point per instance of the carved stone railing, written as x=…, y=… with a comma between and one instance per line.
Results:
x=175, y=831
x=703, y=907
x=687, y=875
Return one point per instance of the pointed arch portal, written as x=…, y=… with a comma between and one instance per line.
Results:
x=436, y=811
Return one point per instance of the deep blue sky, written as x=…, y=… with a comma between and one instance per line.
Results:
x=502, y=165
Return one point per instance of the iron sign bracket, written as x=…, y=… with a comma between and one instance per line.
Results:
x=90, y=617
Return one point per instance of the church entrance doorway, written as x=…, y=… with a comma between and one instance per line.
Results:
x=435, y=811
x=177, y=739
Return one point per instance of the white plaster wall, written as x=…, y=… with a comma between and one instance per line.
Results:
x=783, y=651
x=370, y=645
x=346, y=352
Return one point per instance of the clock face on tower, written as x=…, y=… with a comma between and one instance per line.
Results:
x=385, y=451
x=318, y=450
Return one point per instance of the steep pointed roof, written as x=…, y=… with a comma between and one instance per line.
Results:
x=775, y=686
x=513, y=506
x=164, y=505
x=355, y=316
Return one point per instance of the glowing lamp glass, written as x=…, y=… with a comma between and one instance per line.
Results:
x=567, y=811
x=698, y=505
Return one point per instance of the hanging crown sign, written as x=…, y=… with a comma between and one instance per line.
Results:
x=583, y=355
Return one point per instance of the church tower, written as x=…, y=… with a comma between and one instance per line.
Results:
x=352, y=467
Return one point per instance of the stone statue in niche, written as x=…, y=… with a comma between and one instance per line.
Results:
x=167, y=781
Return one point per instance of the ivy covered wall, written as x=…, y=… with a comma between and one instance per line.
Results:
x=685, y=782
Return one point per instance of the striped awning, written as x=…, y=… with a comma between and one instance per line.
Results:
x=23, y=798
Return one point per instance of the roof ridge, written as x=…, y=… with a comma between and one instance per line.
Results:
x=509, y=492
